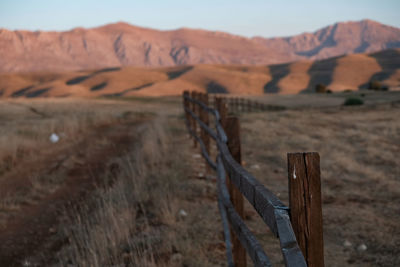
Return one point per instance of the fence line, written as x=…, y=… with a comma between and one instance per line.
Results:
x=241, y=105
x=232, y=176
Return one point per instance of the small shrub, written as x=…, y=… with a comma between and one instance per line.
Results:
x=375, y=85
x=329, y=91
x=348, y=91
x=320, y=88
x=352, y=101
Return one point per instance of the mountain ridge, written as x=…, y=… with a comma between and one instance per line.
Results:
x=342, y=73
x=122, y=44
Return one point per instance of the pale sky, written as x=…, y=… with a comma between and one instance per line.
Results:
x=247, y=18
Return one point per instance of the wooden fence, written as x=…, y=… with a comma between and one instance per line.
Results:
x=241, y=105
x=304, y=218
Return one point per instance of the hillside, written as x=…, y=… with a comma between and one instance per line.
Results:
x=121, y=44
x=340, y=73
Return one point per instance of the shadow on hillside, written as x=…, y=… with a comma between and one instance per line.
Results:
x=128, y=90
x=215, y=88
x=277, y=72
x=37, y=93
x=21, y=91
x=98, y=86
x=82, y=78
x=362, y=47
x=25, y=92
x=77, y=80
x=106, y=70
x=176, y=73
x=321, y=72
x=329, y=42
x=389, y=61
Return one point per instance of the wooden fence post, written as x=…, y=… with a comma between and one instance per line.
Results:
x=185, y=106
x=194, y=108
x=220, y=105
x=243, y=105
x=232, y=129
x=204, y=116
x=305, y=205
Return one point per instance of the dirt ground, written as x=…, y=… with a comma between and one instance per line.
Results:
x=36, y=190
x=130, y=189
x=360, y=172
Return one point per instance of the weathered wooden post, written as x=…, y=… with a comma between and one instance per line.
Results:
x=204, y=116
x=305, y=205
x=186, y=106
x=220, y=105
x=194, y=110
x=249, y=107
x=242, y=105
x=232, y=129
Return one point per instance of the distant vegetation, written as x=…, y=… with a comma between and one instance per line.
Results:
x=321, y=88
x=353, y=101
x=377, y=86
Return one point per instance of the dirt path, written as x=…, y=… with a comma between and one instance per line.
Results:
x=63, y=178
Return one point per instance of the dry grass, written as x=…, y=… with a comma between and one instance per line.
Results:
x=133, y=217
x=137, y=221
x=31, y=167
x=360, y=171
x=27, y=125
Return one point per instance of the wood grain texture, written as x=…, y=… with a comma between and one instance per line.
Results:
x=204, y=135
x=232, y=129
x=305, y=205
x=194, y=109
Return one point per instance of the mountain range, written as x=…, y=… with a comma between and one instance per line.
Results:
x=348, y=72
x=122, y=44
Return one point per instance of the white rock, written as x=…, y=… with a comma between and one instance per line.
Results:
x=196, y=156
x=54, y=138
x=183, y=213
x=362, y=247
x=347, y=244
x=255, y=166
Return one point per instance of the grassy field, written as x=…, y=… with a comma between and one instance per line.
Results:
x=125, y=187
x=359, y=168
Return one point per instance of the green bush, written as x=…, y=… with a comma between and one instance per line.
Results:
x=352, y=101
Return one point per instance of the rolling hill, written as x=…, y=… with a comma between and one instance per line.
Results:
x=121, y=44
x=340, y=73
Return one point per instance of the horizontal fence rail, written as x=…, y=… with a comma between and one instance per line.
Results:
x=232, y=176
x=245, y=105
